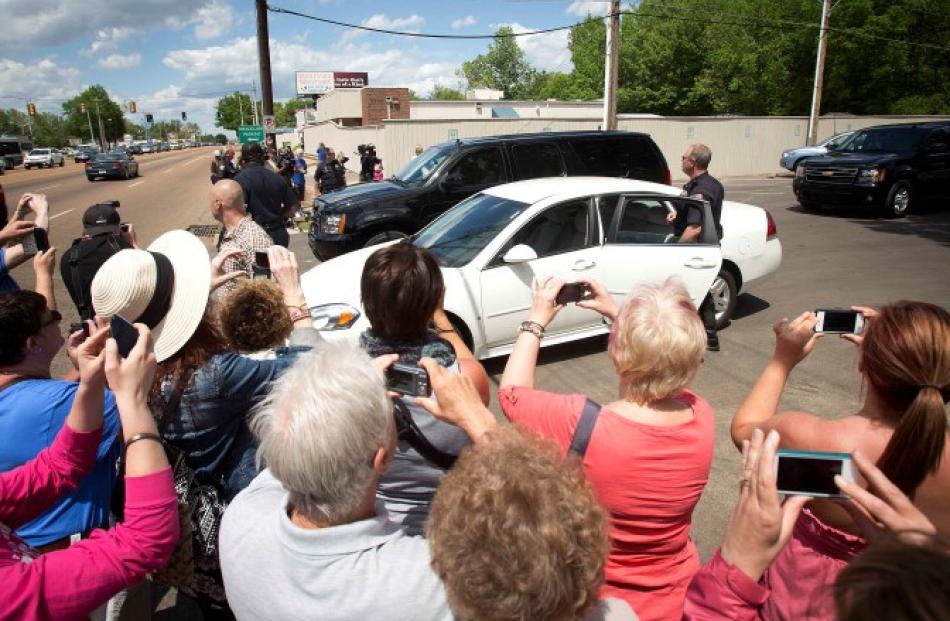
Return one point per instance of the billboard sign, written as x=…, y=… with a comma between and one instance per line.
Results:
x=322, y=82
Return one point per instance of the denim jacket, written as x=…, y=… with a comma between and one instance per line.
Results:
x=210, y=425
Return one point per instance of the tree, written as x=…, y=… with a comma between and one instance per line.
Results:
x=221, y=138
x=445, y=93
x=587, y=41
x=503, y=67
x=234, y=110
x=285, y=114
x=99, y=106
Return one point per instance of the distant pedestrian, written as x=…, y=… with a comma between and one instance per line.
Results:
x=378, y=170
x=268, y=198
x=240, y=231
x=321, y=153
x=300, y=175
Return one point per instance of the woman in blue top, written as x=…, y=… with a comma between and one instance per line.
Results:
x=299, y=178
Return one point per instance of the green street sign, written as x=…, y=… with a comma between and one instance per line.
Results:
x=250, y=133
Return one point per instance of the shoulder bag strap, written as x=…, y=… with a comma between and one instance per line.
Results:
x=584, y=429
x=410, y=432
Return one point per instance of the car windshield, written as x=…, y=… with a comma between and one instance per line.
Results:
x=421, y=166
x=39, y=152
x=463, y=231
x=882, y=140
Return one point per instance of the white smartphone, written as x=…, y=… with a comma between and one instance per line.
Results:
x=812, y=473
x=839, y=321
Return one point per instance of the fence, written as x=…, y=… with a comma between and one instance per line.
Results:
x=740, y=145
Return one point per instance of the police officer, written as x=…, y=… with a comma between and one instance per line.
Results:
x=268, y=198
x=687, y=224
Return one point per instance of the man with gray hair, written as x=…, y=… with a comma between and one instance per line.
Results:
x=307, y=538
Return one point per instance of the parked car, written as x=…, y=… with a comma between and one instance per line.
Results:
x=85, y=153
x=369, y=213
x=38, y=158
x=791, y=159
x=3, y=165
x=112, y=166
x=492, y=244
x=886, y=167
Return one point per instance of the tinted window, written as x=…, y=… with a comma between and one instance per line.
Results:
x=538, y=159
x=643, y=221
x=937, y=140
x=420, y=167
x=560, y=228
x=463, y=231
x=883, y=140
x=478, y=168
x=628, y=156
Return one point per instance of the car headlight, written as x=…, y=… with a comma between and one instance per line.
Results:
x=329, y=317
x=799, y=171
x=332, y=224
x=784, y=155
x=872, y=175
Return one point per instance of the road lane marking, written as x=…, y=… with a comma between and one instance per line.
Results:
x=758, y=193
x=48, y=187
x=135, y=184
x=62, y=213
x=167, y=170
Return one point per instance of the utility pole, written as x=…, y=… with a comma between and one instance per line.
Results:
x=240, y=105
x=263, y=54
x=89, y=118
x=102, y=133
x=610, y=68
x=254, y=101
x=819, y=73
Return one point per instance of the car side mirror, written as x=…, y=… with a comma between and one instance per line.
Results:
x=522, y=253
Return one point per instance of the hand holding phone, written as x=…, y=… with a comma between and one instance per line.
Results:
x=41, y=239
x=261, y=266
x=573, y=292
x=124, y=333
x=812, y=473
x=839, y=321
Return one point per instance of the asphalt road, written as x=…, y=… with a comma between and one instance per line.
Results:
x=830, y=259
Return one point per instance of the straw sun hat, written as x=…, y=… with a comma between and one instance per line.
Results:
x=165, y=287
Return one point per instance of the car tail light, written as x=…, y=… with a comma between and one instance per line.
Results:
x=770, y=229
x=116, y=165
x=88, y=164
x=667, y=177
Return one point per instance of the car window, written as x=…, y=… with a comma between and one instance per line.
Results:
x=622, y=156
x=643, y=221
x=482, y=167
x=937, y=141
x=560, y=228
x=537, y=159
x=892, y=139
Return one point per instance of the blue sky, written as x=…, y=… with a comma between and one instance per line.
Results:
x=181, y=55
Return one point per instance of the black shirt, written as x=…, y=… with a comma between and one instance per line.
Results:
x=709, y=188
x=266, y=194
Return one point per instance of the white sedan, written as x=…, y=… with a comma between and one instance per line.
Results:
x=492, y=244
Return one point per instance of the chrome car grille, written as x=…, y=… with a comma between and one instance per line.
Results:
x=830, y=174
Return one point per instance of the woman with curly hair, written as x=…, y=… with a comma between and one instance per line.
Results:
x=256, y=321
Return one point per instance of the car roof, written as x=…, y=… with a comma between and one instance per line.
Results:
x=535, y=190
x=920, y=125
x=542, y=136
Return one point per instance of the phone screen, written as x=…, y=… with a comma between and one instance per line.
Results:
x=839, y=321
x=800, y=474
x=572, y=292
x=41, y=237
x=124, y=333
x=261, y=258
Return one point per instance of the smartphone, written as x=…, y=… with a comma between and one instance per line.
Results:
x=812, y=473
x=41, y=239
x=407, y=379
x=261, y=267
x=124, y=227
x=124, y=333
x=839, y=321
x=572, y=292
x=76, y=327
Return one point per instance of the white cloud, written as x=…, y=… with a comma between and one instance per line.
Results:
x=464, y=22
x=406, y=24
x=54, y=22
x=583, y=8
x=211, y=20
x=43, y=77
x=107, y=39
x=544, y=51
x=120, y=61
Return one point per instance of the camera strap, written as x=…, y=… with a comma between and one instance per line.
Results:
x=407, y=430
x=584, y=429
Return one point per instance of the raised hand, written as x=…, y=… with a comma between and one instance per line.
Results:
x=543, y=294
x=218, y=275
x=795, y=339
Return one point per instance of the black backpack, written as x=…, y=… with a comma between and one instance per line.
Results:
x=80, y=264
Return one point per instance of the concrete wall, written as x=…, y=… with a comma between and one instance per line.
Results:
x=425, y=110
x=340, y=103
x=741, y=146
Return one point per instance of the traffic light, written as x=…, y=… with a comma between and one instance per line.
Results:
x=31, y=108
x=82, y=108
x=148, y=118
x=132, y=107
x=184, y=116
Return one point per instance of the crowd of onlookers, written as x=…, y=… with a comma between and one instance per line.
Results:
x=222, y=447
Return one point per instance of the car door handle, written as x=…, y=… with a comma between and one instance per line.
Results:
x=698, y=263
x=583, y=264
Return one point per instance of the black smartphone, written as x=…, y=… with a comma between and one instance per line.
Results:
x=261, y=267
x=811, y=473
x=572, y=292
x=124, y=333
x=407, y=379
x=125, y=227
x=41, y=237
x=839, y=321
x=76, y=327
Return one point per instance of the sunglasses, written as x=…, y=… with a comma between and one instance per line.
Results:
x=54, y=316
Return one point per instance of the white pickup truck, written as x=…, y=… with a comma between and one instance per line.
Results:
x=492, y=244
x=44, y=157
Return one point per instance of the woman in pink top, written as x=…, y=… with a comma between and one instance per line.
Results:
x=71, y=583
x=904, y=358
x=650, y=451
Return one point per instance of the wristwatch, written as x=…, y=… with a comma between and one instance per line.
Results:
x=533, y=327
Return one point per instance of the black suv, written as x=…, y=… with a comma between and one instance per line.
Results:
x=887, y=167
x=371, y=213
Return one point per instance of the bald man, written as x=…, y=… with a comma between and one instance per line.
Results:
x=240, y=231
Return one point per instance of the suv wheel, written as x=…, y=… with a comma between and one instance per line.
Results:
x=724, y=293
x=899, y=200
x=384, y=236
